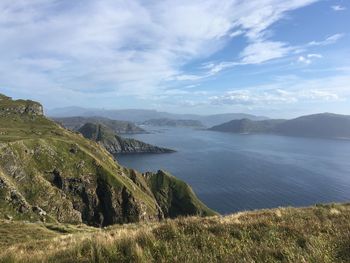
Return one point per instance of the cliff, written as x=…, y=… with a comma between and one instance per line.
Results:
x=116, y=144
x=51, y=174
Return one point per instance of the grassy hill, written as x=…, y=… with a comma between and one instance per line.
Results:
x=51, y=174
x=314, y=234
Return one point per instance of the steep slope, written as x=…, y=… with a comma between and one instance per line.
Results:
x=314, y=234
x=116, y=144
x=119, y=127
x=174, y=123
x=325, y=125
x=52, y=174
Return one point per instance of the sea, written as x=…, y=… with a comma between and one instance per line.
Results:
x=238, y=172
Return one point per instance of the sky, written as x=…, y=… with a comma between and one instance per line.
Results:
x=278, y=58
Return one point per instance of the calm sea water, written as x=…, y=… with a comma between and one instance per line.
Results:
x=232, y=172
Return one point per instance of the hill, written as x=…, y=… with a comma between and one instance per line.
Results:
x=314, y=234
x=142, y=115
x=51, y=174
x=119, y=127
x=247, y=126
x=324, y=125
x=116, y=144
x=174, y=123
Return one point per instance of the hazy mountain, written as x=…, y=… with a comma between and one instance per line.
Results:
x=141, y=115
x=116, y=144
x=324, y=125
x=248, y=126
x=49, y=173
x=174, y=123
x=119, y=127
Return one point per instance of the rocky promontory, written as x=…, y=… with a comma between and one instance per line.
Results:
x=9, y=106
x=116, y=144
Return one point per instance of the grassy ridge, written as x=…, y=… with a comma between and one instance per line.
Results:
x=51, y=174
x=314, y=234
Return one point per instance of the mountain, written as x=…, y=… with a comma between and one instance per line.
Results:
x=51, y=174
x=323, y=125
x=142, y=115
x=247, y=126
x=119, y=127
x=216, y=119
x=314, y=234
x=116, y=144
x=174, y=123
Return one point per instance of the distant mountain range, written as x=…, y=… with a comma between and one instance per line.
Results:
x=142, y=115
x=116, y=144
x=164, y=122
x=323, y=125
x=119, y=127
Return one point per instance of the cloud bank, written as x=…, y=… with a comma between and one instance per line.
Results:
x=128, y=47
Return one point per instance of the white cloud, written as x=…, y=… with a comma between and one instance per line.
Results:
x=328, y=89
x=304, y=60
x=263, y=51
x=308, y=59
x=126, y=47
x=236, y=33
x=329, y=40
x=272, y=96
x=338, y=8
x=314, y=56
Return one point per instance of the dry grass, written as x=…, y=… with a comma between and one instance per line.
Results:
x=315, y=234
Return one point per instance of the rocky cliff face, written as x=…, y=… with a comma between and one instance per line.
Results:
x=116, y=144
x=9, y=106
x=51, y=174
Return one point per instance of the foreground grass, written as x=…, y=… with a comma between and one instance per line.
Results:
x=315, y=234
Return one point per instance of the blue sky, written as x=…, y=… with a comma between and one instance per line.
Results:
x=266, y=57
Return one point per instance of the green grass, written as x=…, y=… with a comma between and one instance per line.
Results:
x=314, y=234
x=32, y=147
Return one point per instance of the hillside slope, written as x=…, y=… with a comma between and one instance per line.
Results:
x=324, y=125
x=51, y=174
x=116, y=144
x=314, y=234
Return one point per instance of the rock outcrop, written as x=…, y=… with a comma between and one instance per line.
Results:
x=116, y=144
x=9, y=106
x=119, y=127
